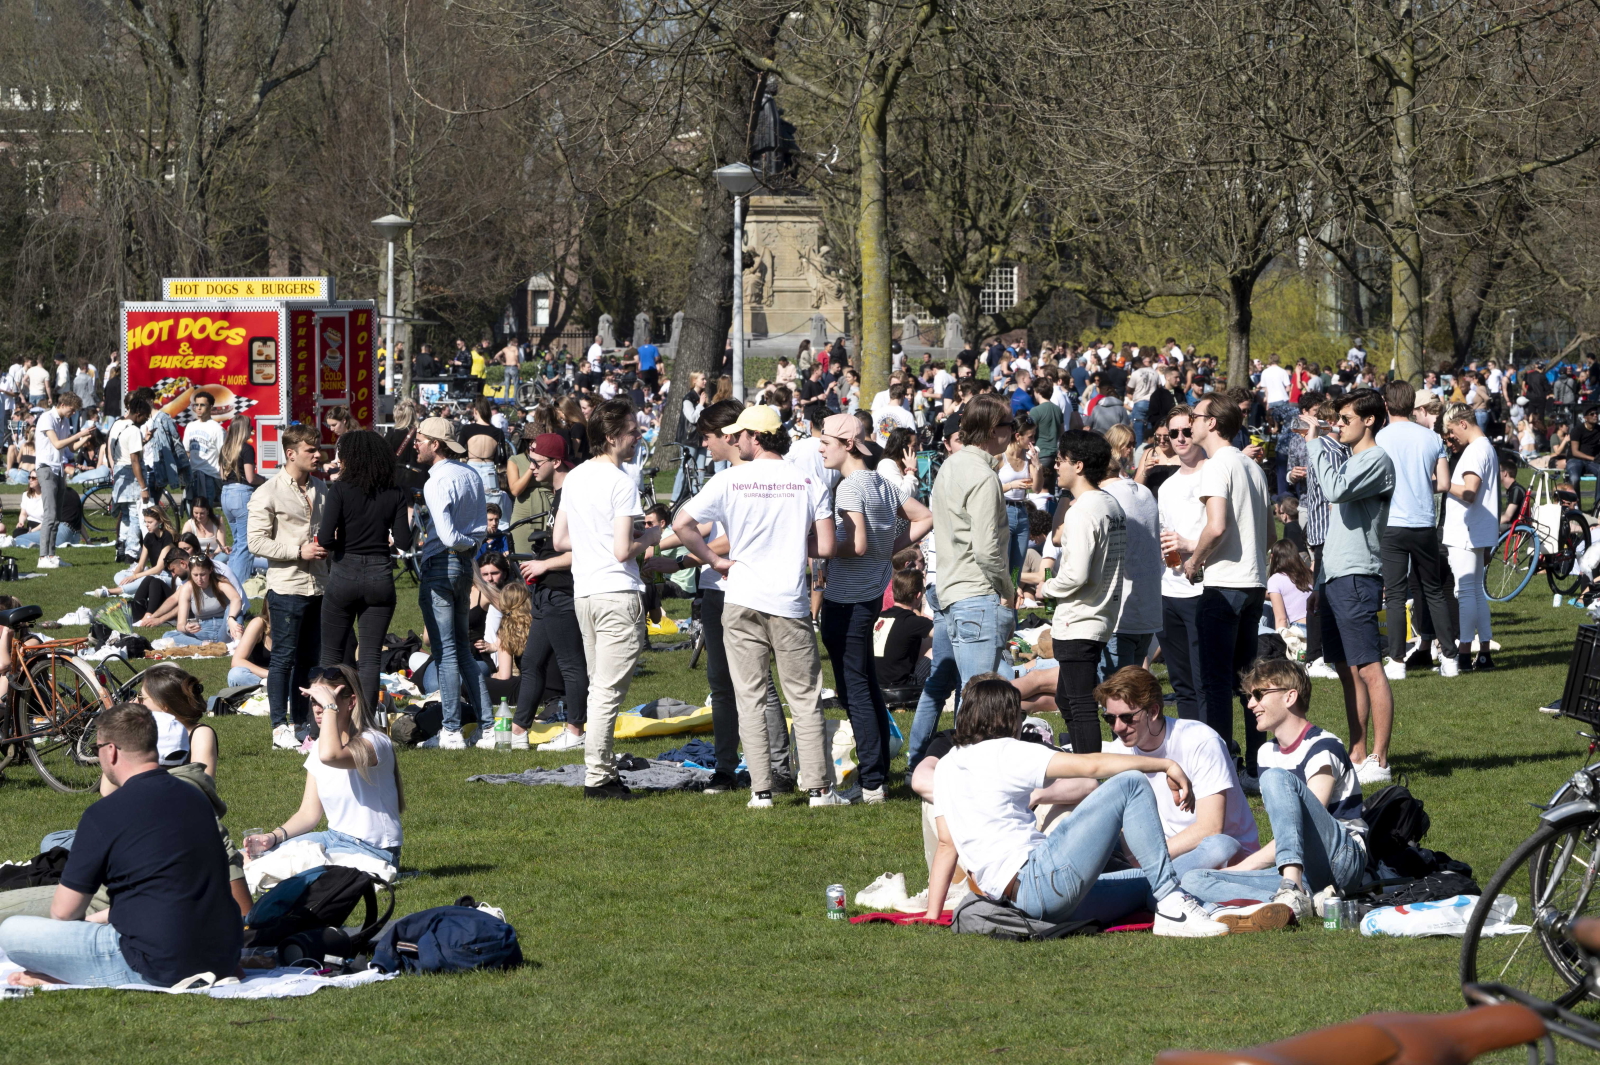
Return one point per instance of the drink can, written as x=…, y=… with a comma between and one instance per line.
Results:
x=1337, y=914
x=7, y=991
x=836, y=902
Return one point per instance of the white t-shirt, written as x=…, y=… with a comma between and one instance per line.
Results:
x=1477, y=525
x=1141, y=565
x=1275, y=384
x=204, y=442
x=126, y=440
x=367, y=808
x=1314, y=751
x=1197, y=748
x=982, y=792
x=1240, y=557
x=768, y=508
x=592, y=497
x=48, y=453
x=807, y=454
x=38, y=379
x=1183, y=513
x=172, y=739
x=889, y=417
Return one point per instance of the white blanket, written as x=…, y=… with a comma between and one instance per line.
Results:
x=257, y=983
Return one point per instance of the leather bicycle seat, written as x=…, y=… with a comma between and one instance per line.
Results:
x=20, y=616
x=1387, y=1039
x=1586, y=931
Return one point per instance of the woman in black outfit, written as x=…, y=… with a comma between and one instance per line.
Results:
x=364, y=510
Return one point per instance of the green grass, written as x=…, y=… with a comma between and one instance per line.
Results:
x=687, y=928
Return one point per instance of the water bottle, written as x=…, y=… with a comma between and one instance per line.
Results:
x=502, y=727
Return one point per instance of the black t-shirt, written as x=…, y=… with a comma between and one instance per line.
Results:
x=1512, y=497
x=1587, y=440
x=941, y=744
x=153, y=843
x=969, y=358
x=474, y=429
x=354, y=523
x=247, y=457
x=897, y=638
x=556, y=580
x=1295, y=534
x=155, y=543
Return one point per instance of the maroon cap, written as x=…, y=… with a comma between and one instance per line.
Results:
x=551, y=446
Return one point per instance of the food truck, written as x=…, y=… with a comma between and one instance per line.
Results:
x=281, y=350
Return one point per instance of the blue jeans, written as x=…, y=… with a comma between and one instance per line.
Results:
x=296, y=644
x=1124, y=649
x=847, y=634
x=1017, y=524
x=1305, y=834
x=65, y=534
x=1213, y=852
x=967, y=640
x=1141, y=414
x=239, y=676
x=75, y=952
x=1061, y=879
x=236, y=510
x=203, y=486
x=688, y=456
x=445, y=595
x=333, y=842
x=62, y=838
x=212, y=630
x=1227, y=622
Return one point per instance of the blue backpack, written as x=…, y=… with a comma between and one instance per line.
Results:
x=447, y=939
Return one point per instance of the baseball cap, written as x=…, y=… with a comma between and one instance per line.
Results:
x=442, y=430
x=550, y=446
x=846, y=428
x=758, y=419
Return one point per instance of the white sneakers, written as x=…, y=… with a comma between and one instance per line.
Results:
x=885, y=893
x=51, y=562
x=1370, y=772
x=1257, y=917
x=1181, y=915
x=1449, y=666
x=519, y=740
x=485, y=739
x=283, y=738
x=1297, y=899
x=918, y=903
x=98, y=593
x=1321, y=669
x=828, y=797
x=873, y=796
x=450, y=740
x=567, y=741
x=1394, y=669
x=761, y=800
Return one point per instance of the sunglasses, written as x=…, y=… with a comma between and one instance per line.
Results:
x=330, y=674
x=101, y=746
x=1257, y=694
x=1006, y=425
x=1126, y=719
x=1187, y=434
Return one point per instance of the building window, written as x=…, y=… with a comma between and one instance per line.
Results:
x=541, y=311
x=999, y=293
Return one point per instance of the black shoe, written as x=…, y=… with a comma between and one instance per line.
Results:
x=720, y=784
x=1421, y=658
x=1464, y=660
x=1483, y=661
x=614, y=789
x=782, y=785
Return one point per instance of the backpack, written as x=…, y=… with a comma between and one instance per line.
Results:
x=1430, y=888
x=447, y=939
x=1395, y=821
x=1000, y=919
x=317, y=898
x=397, y=652
x=411, y=729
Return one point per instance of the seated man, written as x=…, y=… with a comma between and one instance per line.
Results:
x=1221, y=825
x=1313, y=800
x=153, y=844
x=902, y=637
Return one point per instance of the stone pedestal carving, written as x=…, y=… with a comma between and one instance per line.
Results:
x=819, y=332
x=641, y=329
x=677, y=331
x=910, y=331
x=607, y=337
x=953, y=341
x=790, y=280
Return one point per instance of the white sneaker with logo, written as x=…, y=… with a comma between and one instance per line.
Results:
x=450, y=740
x=828, y=797
x=1181, y=915
x=884, y=893
x=1393, y=669
x=485, y=739
x=567, y=741
x=1297, y=899
x=283, y=738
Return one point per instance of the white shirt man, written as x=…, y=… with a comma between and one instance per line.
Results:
x=1275, y=384
x=770, y=510
x=1357, y=354
x=595, y=356
x=202, y=438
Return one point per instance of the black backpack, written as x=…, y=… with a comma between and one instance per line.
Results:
x=397, y=652
x=1396, y=822
x=318, y=898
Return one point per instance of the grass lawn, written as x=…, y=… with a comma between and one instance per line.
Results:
x=687, y=928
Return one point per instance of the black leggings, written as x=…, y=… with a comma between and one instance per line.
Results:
x=1079, y=662
x=360, y=595
x=554, y=634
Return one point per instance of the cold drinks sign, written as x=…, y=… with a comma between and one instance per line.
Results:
x=276, y=360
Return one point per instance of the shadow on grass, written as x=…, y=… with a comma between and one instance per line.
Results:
x=1422, y=763
x=465, y=869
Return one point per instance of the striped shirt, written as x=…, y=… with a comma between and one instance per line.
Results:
x=1307, y=756
x=859, y=580
x=1315, y=510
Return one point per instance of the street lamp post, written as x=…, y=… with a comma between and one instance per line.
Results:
x=740, y=180
x=391, y=227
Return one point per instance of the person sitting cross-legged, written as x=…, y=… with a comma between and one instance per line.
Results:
x=1313, y=800
x=983, y=791
x=153, y=843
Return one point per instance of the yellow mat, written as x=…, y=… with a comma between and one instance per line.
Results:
x=637, y=726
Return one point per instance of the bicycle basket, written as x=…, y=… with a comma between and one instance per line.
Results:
x=1580, y=699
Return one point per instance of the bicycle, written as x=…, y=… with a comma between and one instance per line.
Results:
x=694, y=477
x=1527, y=545
x=100, y=513
x=50, y=712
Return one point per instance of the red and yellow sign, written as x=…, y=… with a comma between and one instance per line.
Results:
x=302, y=358
x=232, y=355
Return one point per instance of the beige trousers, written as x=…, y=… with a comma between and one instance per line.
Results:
x=752, y=640
x=613, y=640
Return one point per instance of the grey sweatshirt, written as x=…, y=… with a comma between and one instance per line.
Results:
x=1359, y=491
x=969, y=525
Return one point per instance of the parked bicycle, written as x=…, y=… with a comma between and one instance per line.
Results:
x=50, y=712
x=1547, y=533
x=694, y=476
x=100, y=513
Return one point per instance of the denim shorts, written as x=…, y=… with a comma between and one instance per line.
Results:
x=1349, y=608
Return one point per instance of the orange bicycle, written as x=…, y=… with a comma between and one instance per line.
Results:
x=49, y=713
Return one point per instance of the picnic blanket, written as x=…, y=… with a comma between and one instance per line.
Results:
x=656, y=776
x=1137, y=922
x=257, y=983
x=633, y=725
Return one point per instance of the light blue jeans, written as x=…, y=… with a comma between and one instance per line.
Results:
x=65, y=534
x=1017, y=527
x=1306, y=835
x=1124, y=649
x=334, y=842
x=444, y=596
x=236, y=509
x=1061, y=880
x=967, y=640
x=239, y=676
x=1141, y=414
x=1213, y=852
x=74, y=952
x=212, y=630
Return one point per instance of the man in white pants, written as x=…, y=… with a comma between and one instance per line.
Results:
x=599, y=503
x=776, y=514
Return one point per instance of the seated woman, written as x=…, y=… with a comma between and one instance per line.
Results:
x=209, y=533
x=352, y=777
x=153, y=551
x=69, y=517
x=176, y=700
x=210, y=609
x=983, y=795
x=252, y=653
x=20, y=458
x=1288, y=587
x=507, y=642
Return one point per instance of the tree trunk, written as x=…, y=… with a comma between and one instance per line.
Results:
x=1241, y=288
x=1405, y=234
x=872, y=238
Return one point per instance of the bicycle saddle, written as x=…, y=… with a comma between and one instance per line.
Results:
x=1387, y=1039
x=20, y=616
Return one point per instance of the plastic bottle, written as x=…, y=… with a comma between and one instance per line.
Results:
x=502, y=726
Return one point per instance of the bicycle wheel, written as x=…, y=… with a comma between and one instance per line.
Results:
x=1546, y=883
x=1561, y=569
x=63, y=747
x=1511, y=565
x=99, y=513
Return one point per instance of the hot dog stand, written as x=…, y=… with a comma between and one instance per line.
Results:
x=279, y=349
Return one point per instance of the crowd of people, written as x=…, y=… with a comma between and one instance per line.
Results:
x=1164, y=519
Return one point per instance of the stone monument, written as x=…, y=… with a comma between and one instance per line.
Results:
x=641, y=329
x=953, y=341
x=607, y=339
x=819, y=332
x=910, y=331
x=677, y=331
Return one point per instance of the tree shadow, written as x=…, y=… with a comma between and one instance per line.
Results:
x=466, y=869
x=1422, y=763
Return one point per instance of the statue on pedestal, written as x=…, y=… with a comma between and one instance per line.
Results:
x=607, y=337
x=772, y=141
x=953, y=341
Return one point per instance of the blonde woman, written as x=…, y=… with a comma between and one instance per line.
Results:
x=237, y=464
x=352, y=777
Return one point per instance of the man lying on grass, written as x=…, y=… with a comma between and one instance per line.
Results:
x=983, y=790
x=1313, y=800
